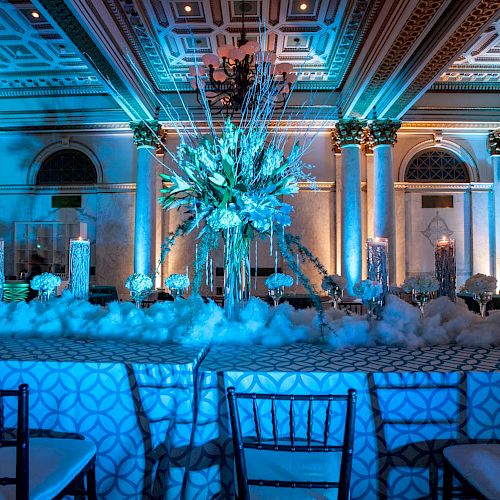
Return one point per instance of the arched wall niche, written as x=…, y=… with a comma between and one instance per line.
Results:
x=444, y=145
x=60, y=146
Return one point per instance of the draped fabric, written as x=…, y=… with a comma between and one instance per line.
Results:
x=159, y=419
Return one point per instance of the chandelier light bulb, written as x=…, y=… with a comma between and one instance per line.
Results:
x=35, y=14
x=303, y=6
x=187, y=8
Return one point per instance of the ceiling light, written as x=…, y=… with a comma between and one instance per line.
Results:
x=303, y=6
x=188, y=8
x=35, y=14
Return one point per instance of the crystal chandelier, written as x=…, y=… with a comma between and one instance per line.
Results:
x=226, y=78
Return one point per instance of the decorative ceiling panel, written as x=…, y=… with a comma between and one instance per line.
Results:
x=314, y=35
x=478, y=68
x=35, y=59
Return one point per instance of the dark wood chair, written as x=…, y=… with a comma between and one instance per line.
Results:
x=290, y=443
x=42, y=468
x=477, y=468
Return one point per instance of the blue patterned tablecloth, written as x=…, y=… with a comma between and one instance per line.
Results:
x=158, y=413
x=400, y=392
x=134, y=400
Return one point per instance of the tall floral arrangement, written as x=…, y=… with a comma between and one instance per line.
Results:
x=229, y=181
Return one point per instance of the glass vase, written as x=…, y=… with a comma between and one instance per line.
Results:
x=420, y=299
x=236, y=270
x=45, y=296
x=336, y=295
x=176, y=292
x=482, y=299
x=276, y=294
x=373, y=307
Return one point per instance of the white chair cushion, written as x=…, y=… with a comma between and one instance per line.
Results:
x=54, y=463
x=292, y=466
x=479, y=464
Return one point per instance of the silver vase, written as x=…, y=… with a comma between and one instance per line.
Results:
x=420, y=299
x=276, y=294
x=482, y=299
x=336, y=295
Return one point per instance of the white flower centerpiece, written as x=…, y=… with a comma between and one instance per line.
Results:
x=334, y=285
x=482, y=288
x=140, y=286
x=46, y=284
x=420, y=287
x=370, y=293
x=276, y=284
x=177, y=283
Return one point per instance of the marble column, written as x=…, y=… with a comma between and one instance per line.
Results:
x=146, y=139
x=494, y=147
x=351, y=133
x=382, y=135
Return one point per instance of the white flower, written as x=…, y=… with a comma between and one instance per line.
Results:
x=177, y=282
x=367, y=289
x=140, y=285
x=480, y=283
x=277, y=280
x=45, y=282
x=223, y=218
x=332, y=282
x=421, y=284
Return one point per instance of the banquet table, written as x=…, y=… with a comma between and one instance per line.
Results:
x=133, y=400
x=158, y=413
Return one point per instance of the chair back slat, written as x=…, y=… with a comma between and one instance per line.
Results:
x=256, y=419
x=310, y=444
x=327, y=423
x=309, y=423
x=275, y=422
x=21, y=442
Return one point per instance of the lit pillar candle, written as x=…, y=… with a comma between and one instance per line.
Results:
x=79, y=268
x=445, y=267
x=377, y=257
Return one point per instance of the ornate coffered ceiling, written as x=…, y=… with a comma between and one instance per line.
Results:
x=363, y=54
x=478, y=68
x=37, y=60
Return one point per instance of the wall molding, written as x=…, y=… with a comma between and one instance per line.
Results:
x=7, y=189
x=443, y=186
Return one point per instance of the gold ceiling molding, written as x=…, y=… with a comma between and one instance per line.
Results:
x=408, y=126
x=480, y=16
x=409, y=34
x=443, y=186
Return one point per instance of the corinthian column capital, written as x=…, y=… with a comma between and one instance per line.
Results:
x=350, y=131
x=384, y=131
x=494, y=142
x=146, y=133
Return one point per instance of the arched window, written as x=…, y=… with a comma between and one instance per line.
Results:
x=436, y=165
x=67, y=166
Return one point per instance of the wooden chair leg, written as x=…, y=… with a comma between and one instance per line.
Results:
x=447, y=480
x=91, y=485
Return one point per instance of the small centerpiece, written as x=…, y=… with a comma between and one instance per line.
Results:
x=420, y=288
x=334, y=285
x=177, y=283
x=370, y=293
x=276, y=284
x=140, y=286
x=482, y=288
x=46, y=284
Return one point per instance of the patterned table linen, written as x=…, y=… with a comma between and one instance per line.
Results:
x=408, y=402
x=134, y=400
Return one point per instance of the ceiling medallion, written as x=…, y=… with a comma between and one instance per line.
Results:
x=233, y=78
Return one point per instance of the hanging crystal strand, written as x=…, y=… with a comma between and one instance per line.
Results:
x=297, y=273
x=211, y=274
x=271, y=240
x=275, y=261
x=256, y=264
x=206, y=269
